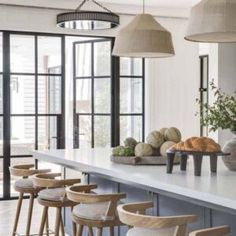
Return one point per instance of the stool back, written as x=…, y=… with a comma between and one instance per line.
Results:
x=217, y=231
x=134, y=215
x=26, y=170
x=82, y=194
x=48, y=181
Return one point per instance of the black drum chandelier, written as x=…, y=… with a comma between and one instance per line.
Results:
x=88, y=20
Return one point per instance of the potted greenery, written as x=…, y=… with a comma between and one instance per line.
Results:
x=222, y=114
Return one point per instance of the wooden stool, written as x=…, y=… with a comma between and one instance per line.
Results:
x=95, y=210
x=53, y=196
x=134, y=215
x=218, y=231
x=25, y=186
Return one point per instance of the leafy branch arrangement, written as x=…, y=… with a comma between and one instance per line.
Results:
x=222, y=113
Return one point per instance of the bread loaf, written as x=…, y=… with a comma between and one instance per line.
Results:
x=198, y=144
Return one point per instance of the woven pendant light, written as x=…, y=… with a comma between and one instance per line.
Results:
x=144, y=37
x=213, y=21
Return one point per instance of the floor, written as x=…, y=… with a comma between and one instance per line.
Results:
x=7, y=214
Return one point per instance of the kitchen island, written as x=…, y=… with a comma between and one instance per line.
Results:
x=212, y=196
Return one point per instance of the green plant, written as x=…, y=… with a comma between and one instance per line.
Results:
x=123, y=151
x=220, y=114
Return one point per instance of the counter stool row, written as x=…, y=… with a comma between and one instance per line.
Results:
x=92, y=210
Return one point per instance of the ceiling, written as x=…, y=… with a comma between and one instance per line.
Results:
x=74, y=3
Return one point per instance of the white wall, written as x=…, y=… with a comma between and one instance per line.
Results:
x=172, y=84
x=227, y=77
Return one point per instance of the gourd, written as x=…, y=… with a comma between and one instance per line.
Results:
x=130, y=142
x=162, y=131
x=155, y=139
x=123, y=151
x=165, y=146
x=173, y=134
x=143, y=149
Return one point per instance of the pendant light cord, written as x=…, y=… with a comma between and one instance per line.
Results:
x=95, y=2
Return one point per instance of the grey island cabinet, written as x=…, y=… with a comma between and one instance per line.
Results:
x=211, y=196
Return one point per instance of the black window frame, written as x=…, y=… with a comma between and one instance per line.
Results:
x=203, y=89
x=7, y=115
x=115, y=96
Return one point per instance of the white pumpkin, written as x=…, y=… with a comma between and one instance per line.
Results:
x=155, y=139
x=162, y=131
x=165, y=146
x=143, y=149
x=173, y=134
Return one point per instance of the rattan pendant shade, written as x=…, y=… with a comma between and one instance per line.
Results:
x=213, y=21
x=144, y=37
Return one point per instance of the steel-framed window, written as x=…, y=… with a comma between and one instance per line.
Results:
x=36, y=75
x=115, y=114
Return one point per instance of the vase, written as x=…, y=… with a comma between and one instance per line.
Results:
x=230, y=147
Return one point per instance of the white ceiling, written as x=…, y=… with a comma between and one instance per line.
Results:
x=157, y=3
x=70, y=3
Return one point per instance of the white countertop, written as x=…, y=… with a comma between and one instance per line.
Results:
x=216, y=189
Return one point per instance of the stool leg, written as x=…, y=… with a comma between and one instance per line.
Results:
x=62, y=226
x=57, y=222
x=90, y=231
x=111, y=229
x=17, y=213
x=80, y=230
x=99, y=232
x=183, y=162
x=73, y=224
x=197, y=164
x=31, y=204
x=43, y=220
x=47, y=226
x=170, y=162
x=213, y=161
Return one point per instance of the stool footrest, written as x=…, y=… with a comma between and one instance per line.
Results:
x=50, y=232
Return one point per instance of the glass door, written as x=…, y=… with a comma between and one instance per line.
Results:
x=34, y=108
x=204, y=90
x=92, y=93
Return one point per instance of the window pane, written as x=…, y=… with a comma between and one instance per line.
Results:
x=1, y=136
x=83, y=59
x=83, y=96
x=1, y=177
x=102, y=131
x=85, y=131
x=22, y=94
x=22, y=135
x=131, y=95
x=131, y=126
x=49, y=54
x=47, y=133
x=102, y=95
x=49, y=94
x=1, y=47
x=130, y=66
x=102, y=58
x=19, y=161
x=22, y=53
x=1, y=94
